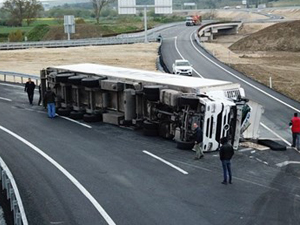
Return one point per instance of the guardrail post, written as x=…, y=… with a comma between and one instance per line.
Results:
x=14, y=79
x=4, y=77
x=37, y=82
x=3, y=175
x=22, y=80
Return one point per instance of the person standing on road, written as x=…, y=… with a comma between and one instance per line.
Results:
x=295, y=123
x=49, y=99
x=29, y=88
x=198, y=142
x=40, y=93
x=226, y=153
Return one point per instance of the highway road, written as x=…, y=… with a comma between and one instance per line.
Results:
x=89, y=174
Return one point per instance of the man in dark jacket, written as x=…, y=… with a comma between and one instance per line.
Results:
x=295, y=123
x=49, y=100
x=226, y=153
x=29, y=88
x=198, y=142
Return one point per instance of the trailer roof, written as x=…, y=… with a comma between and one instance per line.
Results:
x=143, y=75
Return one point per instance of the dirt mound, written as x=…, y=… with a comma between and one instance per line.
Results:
x=278, y=37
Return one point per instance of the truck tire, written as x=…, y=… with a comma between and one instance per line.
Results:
x=76, y=80
x=99, y=114
x=184, y=145
x=91, y=82
x=164, y=131
x=75, y=115
x=149, y=125
x=63, y=111
x=63, y=78
x=90, y=118
x=189, y=100
x=152, y=93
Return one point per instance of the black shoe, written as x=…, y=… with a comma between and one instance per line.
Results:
x=196, y=158
x=230, y=182
x=224, y=182
x=201, y=156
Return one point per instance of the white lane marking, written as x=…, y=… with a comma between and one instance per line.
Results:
x=287, y=163
x=66, y=173
x=74, y=121
x=251, y=85
x=166, y=162
x=12, y=85
x=16, y=191
x=245, y=149
x=176, y=47
x=277, y=135
x=6, y=99
x=246, y=82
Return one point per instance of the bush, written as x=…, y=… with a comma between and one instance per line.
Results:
x=79, y=21
x=16, y=36
x=38, y=32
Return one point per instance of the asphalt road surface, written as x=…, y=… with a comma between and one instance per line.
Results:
x=69, y=173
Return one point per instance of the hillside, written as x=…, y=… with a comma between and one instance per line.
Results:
x=278, y=37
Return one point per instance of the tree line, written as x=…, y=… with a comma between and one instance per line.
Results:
x=18, y=11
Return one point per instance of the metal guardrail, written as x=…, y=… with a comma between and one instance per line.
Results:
x=12, y=193
x=5, y=74
x=120, y=39
x=76, y=43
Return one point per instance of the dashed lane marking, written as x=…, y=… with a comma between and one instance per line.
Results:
x=5, y=99
x=74, y=121
x=285, y=163
x=166, y=162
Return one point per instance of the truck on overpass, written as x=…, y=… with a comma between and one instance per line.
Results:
x=159, y=103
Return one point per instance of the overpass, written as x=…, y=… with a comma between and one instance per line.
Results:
x=208, y=31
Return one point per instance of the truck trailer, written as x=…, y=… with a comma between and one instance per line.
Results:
x=160, y=104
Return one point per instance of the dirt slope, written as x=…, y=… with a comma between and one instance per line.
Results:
x=278, y=37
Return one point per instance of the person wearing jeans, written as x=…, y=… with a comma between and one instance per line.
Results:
x=226, y=153
x=49, y=99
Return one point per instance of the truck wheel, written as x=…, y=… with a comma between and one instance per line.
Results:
x=189, y=100
x=75, y=115
x=164, y=131
x=76, y=80
x=63, y=78
x=90, y=118
x=63, y=111
x=92, y=82
x=149, y=125
x=184, y=145
x=152, y=93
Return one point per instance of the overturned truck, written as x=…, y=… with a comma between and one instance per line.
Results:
x=161, y=104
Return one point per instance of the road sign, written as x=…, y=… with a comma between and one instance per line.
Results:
x=69, y=25
x=127, y=6
x=163, y=6
x=244, y=2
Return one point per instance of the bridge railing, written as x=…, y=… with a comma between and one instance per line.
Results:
x=12, y=194
x=16, y=77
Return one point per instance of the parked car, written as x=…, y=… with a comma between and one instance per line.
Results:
x=182, y=67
